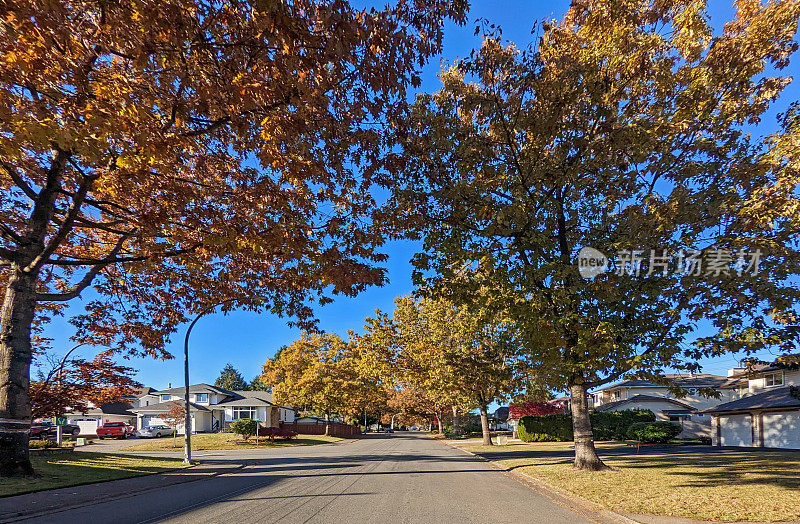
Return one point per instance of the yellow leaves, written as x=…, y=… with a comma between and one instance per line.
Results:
x=692, y=31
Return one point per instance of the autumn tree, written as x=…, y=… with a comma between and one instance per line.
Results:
x=448, y=357
x=623, y=128
x=74, y=384
x=230, y=379
x=160, y=157
x=478, y=353
x=311, y=373
x=532, y=408
x=411, y=366
x=366, y=390
x=174, y=417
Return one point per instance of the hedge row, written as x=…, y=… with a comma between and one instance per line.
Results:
x=606, y=425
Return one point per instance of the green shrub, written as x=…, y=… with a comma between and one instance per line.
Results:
x=40, y=444
x=654, y=432
x=545, y=428
x=606, y=425
x=244, y=427
x=613, y=425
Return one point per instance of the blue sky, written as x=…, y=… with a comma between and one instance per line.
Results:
x=246, y=340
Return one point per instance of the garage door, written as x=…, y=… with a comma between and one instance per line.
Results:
x=88, y=426
x=735, y=430
x=152, y=420
x=782, y=430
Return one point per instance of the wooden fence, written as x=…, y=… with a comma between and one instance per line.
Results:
x=337, y=429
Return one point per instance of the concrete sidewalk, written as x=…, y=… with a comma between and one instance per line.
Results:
x=61, y=499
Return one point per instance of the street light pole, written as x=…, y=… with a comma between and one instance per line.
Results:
x=187, y=421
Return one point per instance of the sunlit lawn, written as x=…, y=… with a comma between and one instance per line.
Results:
x=731, y=486
x=72, y=469
x=203, y=441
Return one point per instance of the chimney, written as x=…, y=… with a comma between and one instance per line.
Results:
x=736, y=371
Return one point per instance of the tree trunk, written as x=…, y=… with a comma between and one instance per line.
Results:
x=439, y=422
x=327, y=424
x=456, y=430
x=487, y=437
x=585, y=453
x=16, y=318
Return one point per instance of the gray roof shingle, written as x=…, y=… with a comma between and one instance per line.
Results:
x=640, y=398
x=163, y=407
x=773, y=398
x=196, y=388
x=696, y=380
x=249, y=398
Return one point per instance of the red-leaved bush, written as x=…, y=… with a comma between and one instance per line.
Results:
x=531, y=407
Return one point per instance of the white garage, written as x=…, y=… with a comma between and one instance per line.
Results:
x=770, y=419
x=735, y=430
x=88, y=425
x=782, y=430
x=150, y=420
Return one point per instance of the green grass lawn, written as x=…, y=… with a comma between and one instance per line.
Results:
x=731, y=486
x=225, y=441
x=72, y=469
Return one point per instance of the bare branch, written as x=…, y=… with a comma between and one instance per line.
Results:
x=118, y=260
x=76, y=290
x=66, y=226
x=17, y=178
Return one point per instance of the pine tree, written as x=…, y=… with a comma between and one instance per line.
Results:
x=231, y=379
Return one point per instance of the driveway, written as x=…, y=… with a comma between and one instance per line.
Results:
x=404, y=477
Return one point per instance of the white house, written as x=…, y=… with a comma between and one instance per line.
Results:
x=212, y=408
x=666, y=405
x=765, y=410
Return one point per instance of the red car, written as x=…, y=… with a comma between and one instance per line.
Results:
x=114, y=430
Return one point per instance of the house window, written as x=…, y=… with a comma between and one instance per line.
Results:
x=201, y=397
x=617, y=394
x=244, y=412
x=773, y=379
x=165, y=398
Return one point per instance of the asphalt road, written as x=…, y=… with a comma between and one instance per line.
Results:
x=404, y=477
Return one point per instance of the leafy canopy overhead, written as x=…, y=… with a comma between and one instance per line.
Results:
x=623, y=129
x=177, y=153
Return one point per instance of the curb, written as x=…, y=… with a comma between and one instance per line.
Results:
x=553, y=493
x=59, y=509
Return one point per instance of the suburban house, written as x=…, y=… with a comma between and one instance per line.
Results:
x=658, y=398
x=499, y=420
x=96, y=416
x=765, y=410
x=212, y=408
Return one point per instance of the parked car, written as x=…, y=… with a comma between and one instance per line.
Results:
x=47, y=430
x=115, y=430
x=156, y=431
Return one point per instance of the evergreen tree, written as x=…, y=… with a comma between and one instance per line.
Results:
x=257, y=385
x=231, y=379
